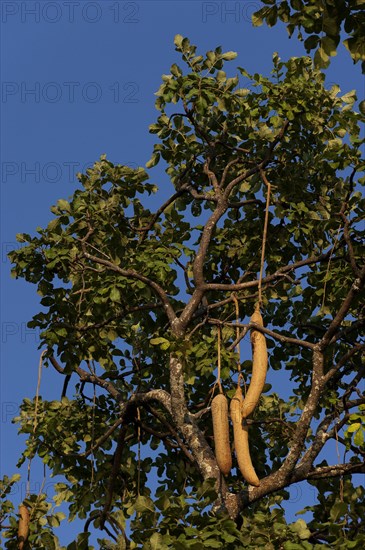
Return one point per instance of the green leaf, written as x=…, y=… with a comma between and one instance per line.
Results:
x=115, y=294
x=301, y=528
x=321, y=59
x=178, y=40
x=350, y=97
x=359, y=437
x=143, y=504
x=63, y=205
x=156, y=542
x=338, y=510
x=48, y=541
x=157, y=341
x=212, y=543
x=229, y=56
x=153, y=160
x=257, y=20
x=354, y=427
x=329, y=46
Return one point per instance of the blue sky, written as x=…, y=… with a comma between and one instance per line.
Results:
x=78, y=80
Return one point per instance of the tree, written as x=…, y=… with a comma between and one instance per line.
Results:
x=140, y=307
x=324, y=21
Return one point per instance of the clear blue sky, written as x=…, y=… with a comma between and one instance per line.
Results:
x=78, y=80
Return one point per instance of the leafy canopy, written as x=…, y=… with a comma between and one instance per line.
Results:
x=131, y=300
x=324, y=21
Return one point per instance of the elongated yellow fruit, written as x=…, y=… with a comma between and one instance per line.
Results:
x=23, y=526
x=221, y=433
x=259, y=367
x=241, y=440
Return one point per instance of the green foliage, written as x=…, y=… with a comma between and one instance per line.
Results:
x=356, y=428
x=116, y=283
x=43, y=520
x=339, y=510
x=324, y=21
x=6, y=486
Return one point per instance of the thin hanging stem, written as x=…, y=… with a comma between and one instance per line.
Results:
x=238, y=351
x=264, y=236
x=139, y=451
x=35, y=423
x=219, y=360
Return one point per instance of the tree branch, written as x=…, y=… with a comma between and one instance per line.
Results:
x=264, y=330
x=159, y=395
x=226, y=170
x=131, y=274
x=183, y=189
x=117, y=459
x=335, y=471
x=103, y=438
x=198, y=263
x=212, y=198
x=261, y=165
x=347, y=330
x=320, y=439
x=186, y=424
x=171, y=431
x=85, y=328
x=322, y=433
x=356, y=286
x=212, y=178
x=276, y=481
x=346, y=234
x=303, y=424
x=343, y=360
x=278, y=273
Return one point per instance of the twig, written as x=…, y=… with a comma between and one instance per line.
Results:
x=306, y=416
x=261, y=165
x=347, y=330
x=267, y=331
x=278, y=273
x=337, y=470
x=113, y=476
x=356, y=286
x=172, y=431
x=183, y=189
x=239, y=338
x=159, y=395
x=343, y=360
x=212, y=177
